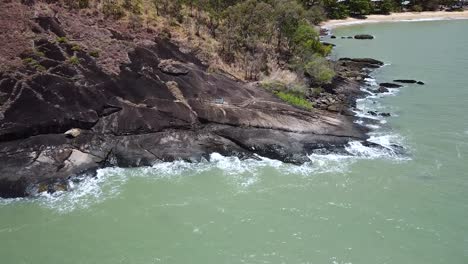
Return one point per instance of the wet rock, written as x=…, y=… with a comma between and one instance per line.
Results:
x=333, y=37
x=360, y=63
x=328, y=44
x=382, y=90
x=160, y=105
x=364, y=36
x=375, y=113
x=405, y=81
x=390, y=85
x=156, y=108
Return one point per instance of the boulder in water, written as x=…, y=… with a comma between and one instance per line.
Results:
x=364, y=36
x=405, y=81
x=390, y=85
x=382, y=90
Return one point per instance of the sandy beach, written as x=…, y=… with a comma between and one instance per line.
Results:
x=396, y=17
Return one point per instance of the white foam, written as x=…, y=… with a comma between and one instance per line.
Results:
x=371, y=81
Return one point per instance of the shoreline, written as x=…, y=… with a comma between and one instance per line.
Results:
x=396, y=17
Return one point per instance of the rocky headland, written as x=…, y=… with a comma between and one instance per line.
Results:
x=67, y=109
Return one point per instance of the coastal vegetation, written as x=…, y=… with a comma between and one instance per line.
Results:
x=250, y=39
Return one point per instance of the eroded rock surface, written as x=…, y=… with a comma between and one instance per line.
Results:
x=159, y=104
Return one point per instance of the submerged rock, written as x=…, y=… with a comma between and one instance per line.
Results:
x=405, y=81
x=375, y=113
x=382, y=89
x=328, y=44
x=390, y=85
x=364, y=36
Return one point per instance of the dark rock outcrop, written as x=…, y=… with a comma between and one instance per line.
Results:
x=364, y=36
x=382, y=89
x=328, y=44
x=390, y=85
x=375, y=113
x=405, y=81
x=362, y=62
x=64, y=112
x=148, y=113
x=409, y=81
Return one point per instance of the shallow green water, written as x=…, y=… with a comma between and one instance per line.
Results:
x=378, y=207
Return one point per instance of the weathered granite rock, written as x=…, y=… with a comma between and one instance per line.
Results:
x=142, y=116
x=142, y=103
x=172, y=67
x=73, y=133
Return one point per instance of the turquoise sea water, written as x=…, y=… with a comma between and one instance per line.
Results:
x=379, y=206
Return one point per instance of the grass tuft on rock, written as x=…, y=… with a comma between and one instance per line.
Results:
x=94, y=53
x=61, y=40
x=74, y=60
x=76, y=47
x=295, y=99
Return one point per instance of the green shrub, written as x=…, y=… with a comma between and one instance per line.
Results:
x=112, y=9
x=273, y=86
x=83, y=3
x=77, y=4
x=417, y=8
x=76, y=48
x=29, y=61
x=319, y=70
x=34, y=64
x=295, y=99
x=39, y=53
x=40, y=67
x=134, y=6
x=94, y=53
x=74, y=60
x=61, y=39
